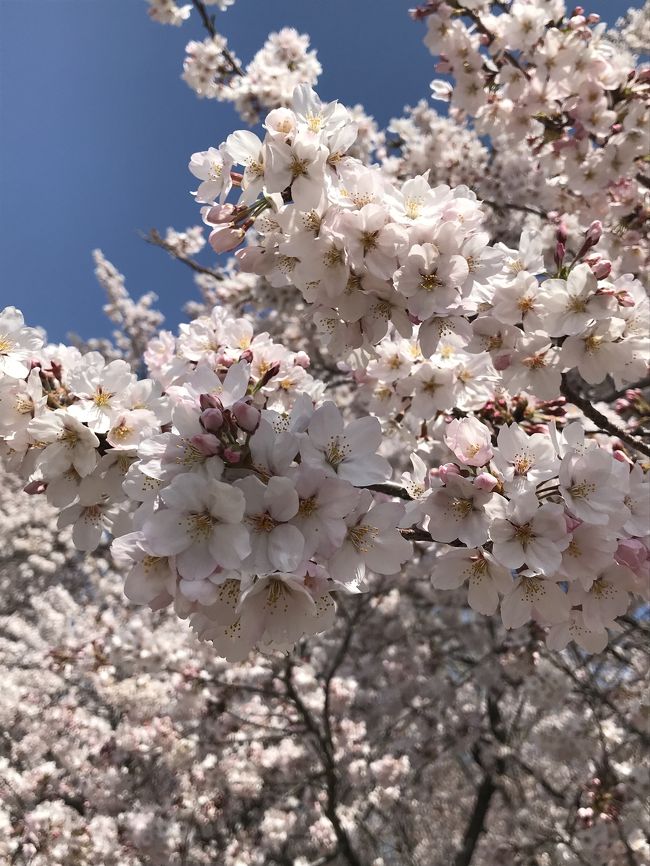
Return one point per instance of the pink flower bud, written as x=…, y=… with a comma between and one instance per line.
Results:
x=631, y=552
x=273, y=370
x=302, y=360
x=601, y=269
x=560, y=252
x=217, y=214
x=225, y=238
x=247, y=356
x=248, y=417
x=446, y=470
x=212, y=420
x=593, y=18
x=209, y=401
x=206, y=443
x=232, y=454
x=572, y=522
x=594, y=233
x=622, y=457
x=561, y=233
x=485, y=481
x=625, y=299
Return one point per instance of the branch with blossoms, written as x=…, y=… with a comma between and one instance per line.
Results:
x=238, y=493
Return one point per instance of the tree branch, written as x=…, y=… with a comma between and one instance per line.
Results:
x=208, y=22
x=600, y=420
x=156, y=240
x=476, y=824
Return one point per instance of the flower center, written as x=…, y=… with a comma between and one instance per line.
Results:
x=462, y=507
x=361, y=537
x=523, y=534
x=369, y=241
x=102, y=398
x=308, y=506
x=200, y=527
x=592, y=343
x=336, y=452
x=582, y=490
x=430, y=282
x=6, y=345
x=298, y=167
x=262, y=522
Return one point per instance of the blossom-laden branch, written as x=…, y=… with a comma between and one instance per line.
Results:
x=600, y=420
x=208, y=22
x=155, y=239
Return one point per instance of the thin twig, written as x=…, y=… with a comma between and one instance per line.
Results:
x=506, y=205
x=156, y=240
x=208, y=22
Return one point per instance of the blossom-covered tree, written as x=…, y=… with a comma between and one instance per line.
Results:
x=392, y=472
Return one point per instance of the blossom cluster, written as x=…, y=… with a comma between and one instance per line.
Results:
x=282, y=63
x=376, y=258
x=550, y=85
x=229, y=491
x=568, y=519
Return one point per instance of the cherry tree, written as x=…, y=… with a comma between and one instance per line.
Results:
x=391, y=474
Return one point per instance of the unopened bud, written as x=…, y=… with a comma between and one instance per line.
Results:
x=446, y=470
x=594, y=233
x=560, y=252
x=572, y=522
x=248, y=417
x=601, y=269
x=225, y=238
x=273, y=370
x=217, y=214
x=561, y=233
x=485, y=481
x=209, y=401
x=232, y=454
x=625, y=299
x=212, y=420
x=206, y=444
x=593, y=18
x=301, y=359
x=246, y=356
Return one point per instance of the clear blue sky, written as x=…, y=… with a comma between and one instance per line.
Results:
x=96, y=128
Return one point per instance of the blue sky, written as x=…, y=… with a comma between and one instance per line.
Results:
x=96, y=129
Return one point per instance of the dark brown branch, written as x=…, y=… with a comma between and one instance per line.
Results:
x=600, y=420
x=156, y=240
x=327, y=759
x=390, y=489
x=476, y=825
x=208, y=22
x=506, y=205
